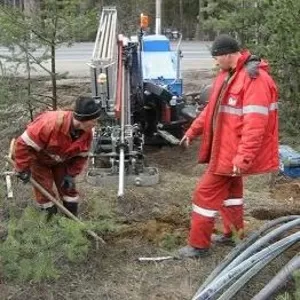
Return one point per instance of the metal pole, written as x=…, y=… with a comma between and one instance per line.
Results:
x=181, y=16
x=158, y=17
x=121, y=173
x=122, y=138
x=178, y=52
x=99, y=33
x=127, y=95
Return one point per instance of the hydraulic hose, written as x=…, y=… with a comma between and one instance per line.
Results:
x=243, y=245
x=212, y=289
x=260, y=243
x=236, y=286
x=279, y=280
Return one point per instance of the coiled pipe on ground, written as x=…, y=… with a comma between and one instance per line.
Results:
x=219, y=283
x=244, y=245
x=279, y=280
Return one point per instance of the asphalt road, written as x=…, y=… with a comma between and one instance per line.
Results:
x=74, y=59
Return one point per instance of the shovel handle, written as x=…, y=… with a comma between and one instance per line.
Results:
x=58, y=204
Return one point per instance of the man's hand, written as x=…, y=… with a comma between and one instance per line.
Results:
x=236, y=171
x=68, y=182
x=185, y=141
x=24, y=176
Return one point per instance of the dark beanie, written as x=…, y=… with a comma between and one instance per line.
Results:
x=86, y=109
x=224, y=44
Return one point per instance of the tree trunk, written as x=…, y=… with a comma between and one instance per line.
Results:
x=53, y=65
x=53, y=78
x=181, y=16
x=199, y=29
x=31, y=6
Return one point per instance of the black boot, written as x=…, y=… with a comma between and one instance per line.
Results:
x=71, y=207
x=51, y=211
x=223, y=239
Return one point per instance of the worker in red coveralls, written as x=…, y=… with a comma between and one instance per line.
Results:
x=54, y=149
x=239, y=135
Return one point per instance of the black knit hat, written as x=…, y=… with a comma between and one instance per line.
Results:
x=86, y=109
x=224, y=44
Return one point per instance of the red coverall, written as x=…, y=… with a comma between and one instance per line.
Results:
x=47, y=149
x=239, y=128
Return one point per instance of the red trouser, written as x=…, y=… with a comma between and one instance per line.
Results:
x=215, y=193
x=46, y=176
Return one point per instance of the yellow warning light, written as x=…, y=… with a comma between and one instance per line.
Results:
x=144, y=21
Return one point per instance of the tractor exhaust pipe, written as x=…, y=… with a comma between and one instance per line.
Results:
x=158, y=17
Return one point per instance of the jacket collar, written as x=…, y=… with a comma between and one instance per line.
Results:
x=242, y=60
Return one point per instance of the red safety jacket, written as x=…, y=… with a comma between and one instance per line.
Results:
x=47, y=141
x=243, y=131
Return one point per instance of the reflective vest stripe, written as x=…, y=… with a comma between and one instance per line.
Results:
x=273, y=106
x=28, y=141
x=71, y=199
x=204, y=212
x=83, y=154
x=231, y=110
x=45, y=205
x=248, y=109
x=233, y=202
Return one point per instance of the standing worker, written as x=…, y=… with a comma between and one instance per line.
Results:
x=239, y=129
x=54, y=149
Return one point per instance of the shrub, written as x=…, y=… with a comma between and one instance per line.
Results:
x=36, y=250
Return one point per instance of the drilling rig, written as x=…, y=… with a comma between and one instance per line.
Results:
x=138, y=84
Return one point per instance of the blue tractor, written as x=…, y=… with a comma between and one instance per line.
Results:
x=163, y=107
x=138, y=84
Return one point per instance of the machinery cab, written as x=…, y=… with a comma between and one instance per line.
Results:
x=162, y=89
x=159, y=63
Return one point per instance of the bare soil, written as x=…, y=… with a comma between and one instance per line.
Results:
x=155, y=222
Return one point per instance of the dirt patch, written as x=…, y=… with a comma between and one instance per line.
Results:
x=271, y=214
x=174, y=222
x=285, y=200
x=153, y=231
x=288, y=192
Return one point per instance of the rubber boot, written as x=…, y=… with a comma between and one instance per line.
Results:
x=223, y=239
x=71, y=207
x=191, y=252
x=51, y=211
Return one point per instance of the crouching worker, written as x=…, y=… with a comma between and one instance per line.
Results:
x=54, y=150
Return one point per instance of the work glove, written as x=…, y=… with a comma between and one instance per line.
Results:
x=24, y=176
x=68, y=182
